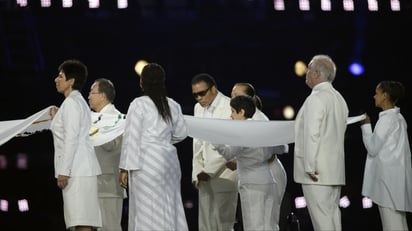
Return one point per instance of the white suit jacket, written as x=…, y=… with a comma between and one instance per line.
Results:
x=206, y=158
x=73, y=148
x=252, y=163
x=319, y=137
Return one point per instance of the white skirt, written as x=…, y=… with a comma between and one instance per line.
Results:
x=81, y=203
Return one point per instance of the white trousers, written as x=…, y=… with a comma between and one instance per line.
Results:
x=217, y=210
x=322, y=202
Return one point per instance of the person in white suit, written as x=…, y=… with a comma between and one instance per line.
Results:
x=101, y=96
x=319, y=155
x=216, y=184
x=75, y=163
x=387, y=177
x=257, y=186
x=278, y=171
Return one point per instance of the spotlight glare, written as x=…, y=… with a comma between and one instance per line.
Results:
x=94, y=4
x=139, y=66
x=122, y=4
x=304, y=5
x=279, y=5
x=23, y=205
x=356, y=69
x=326, y=5
x=395, y=5
x=3, y=162
x=188, y=204
x=366, y=203
x=45, y=3
x=21, y=3
x=348, y=5
x=372, y=5
x=4, y=205
x=288, y=112
x=300, y=202
x=300, y=68
x=67, y=3
x=344, y=202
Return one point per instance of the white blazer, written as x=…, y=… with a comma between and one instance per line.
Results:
x=73, y=148
x=319, y=137
x=206, y=158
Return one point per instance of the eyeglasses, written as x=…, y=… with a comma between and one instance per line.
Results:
x=201, y=93
x=93, y=93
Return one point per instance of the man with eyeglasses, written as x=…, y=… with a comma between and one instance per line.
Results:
x=216, y=184
x=106, y=119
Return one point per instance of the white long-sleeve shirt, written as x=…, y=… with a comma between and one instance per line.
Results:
x=388, y=172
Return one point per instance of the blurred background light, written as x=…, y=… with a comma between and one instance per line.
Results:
x=279, y=5
x=67, y=3
x=300, y=68
x=348, y=5
x=366, y=203
x=139, y=66
x=4, y=205
x=356, y=68
x=344, y=202
x=288, y=112
x=23, y=205
x=326, y=5
x=300, y=202
x=373, y=5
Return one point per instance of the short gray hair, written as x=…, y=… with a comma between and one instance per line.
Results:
x=325, y=65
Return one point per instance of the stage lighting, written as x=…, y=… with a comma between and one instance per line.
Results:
x=93, y=4
x=300, y=202
x=344, y=202
x=373, y=5
x=3, y=162
x=4, y=205
x=45, y=3
x=367, y=203
x=67, y=3
x=326, y=5
x=288, y=112
x=304, y=5
x=356, y=68
x=21, y=3
x=23, y=205
x=395, y=5
x=188, y=204
x=139, y=66
x=22, y=161
x=122, y=4
x=279, y=5
x=300, y=68
x=348, y=5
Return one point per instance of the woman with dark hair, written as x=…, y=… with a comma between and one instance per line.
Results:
x=75, y=162
x=388, y=172
x=149, y=165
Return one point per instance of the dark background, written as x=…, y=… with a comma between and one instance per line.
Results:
x=233, y=40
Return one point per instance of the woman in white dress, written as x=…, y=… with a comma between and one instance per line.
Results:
x=388, y=172
x=149, y=163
